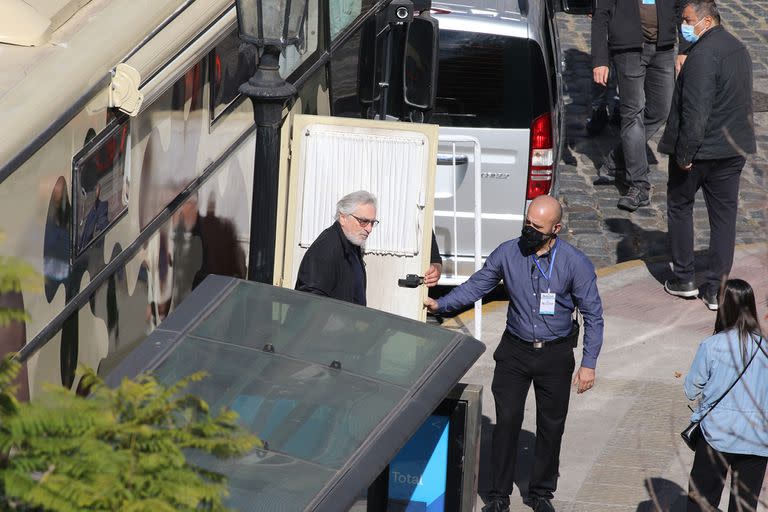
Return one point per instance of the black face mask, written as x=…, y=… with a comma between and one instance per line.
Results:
x=531, y=239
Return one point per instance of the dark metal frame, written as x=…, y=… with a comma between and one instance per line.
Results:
x=88, y=150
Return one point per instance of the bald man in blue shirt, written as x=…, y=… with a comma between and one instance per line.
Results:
x=546, y=279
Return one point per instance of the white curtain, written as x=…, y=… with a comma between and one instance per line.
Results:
x=388, y=163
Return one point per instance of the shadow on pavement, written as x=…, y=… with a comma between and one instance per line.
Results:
x=649, y=245
x=577, y=81
x=525, y=446
x=663, y=495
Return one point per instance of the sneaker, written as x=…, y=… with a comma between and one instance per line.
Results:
x=710, y=299
x=597, y=121
x=496, y=505
x=634, y=199
x=681, y=288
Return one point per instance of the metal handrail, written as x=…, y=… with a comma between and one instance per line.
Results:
x=454, y=139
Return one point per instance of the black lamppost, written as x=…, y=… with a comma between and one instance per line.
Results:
x=270, y=25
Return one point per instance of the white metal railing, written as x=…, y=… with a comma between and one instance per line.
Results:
x=465, y=139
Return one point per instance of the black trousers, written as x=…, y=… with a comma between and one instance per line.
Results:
x=550, y=369
x=708, y=478
x=719, y=180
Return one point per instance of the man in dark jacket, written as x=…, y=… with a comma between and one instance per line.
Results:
x=708, y=133
x=333, y=265
x=639, y=36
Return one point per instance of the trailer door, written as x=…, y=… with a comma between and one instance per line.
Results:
x=331, y=157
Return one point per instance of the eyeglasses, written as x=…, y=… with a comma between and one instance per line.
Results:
x=364, y=222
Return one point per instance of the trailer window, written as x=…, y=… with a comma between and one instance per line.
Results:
x=344, y=12
x=232, y=63
x=99, y=177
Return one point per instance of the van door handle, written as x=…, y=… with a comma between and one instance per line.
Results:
x=410, y=281
x=447, y=159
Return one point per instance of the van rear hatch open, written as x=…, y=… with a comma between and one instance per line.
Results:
x=493, y=87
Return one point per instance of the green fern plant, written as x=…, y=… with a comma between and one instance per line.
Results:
x=119, y=449
x=15, y=275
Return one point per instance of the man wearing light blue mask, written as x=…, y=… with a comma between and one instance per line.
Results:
x=689, y=31
x=709, y=131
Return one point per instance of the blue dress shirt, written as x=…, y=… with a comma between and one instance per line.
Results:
x=738, y=423
x=573, y=281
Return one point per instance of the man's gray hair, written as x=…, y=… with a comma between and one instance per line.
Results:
x=704, y=8
x=350, y=202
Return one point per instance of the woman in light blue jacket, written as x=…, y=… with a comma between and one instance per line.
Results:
x=735, y=433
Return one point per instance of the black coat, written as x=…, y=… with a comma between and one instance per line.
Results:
x=616, y=26
x=711, y=114
x=327, y=267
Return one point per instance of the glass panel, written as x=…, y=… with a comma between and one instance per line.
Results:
x=99, y=195
x=168, y=140
x=273, y=21
x=364, y=341
x=307, y=411
x=344, y=12
x=268, y=482
x=232, y=64
x=249, y=21
x=293, y=56
x=345, y=64
x=474, y=67
x=297, y=10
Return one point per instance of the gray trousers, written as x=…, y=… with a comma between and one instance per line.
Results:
x=646, y=80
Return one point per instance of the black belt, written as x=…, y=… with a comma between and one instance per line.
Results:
x=572, y=338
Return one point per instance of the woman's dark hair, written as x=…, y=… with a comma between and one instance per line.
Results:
x=737, y=310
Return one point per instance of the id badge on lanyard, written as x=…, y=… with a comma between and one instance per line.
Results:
x=548, y=299
x=547, y=303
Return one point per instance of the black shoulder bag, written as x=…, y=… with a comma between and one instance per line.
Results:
x=692, y=433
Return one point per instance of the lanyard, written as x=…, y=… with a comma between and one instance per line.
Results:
x=548, y=275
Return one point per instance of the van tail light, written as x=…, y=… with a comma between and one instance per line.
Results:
x=541, y=160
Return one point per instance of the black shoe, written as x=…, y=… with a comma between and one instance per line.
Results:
x=541, y=504
x=710, y=299
x=634, y=199
x=597, y=121
x=496, y=505
x=681, y=288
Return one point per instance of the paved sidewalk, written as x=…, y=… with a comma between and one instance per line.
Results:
x=621, y=451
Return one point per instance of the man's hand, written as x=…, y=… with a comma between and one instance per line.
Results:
x=430, y=304
x=600, y=75
x=584, y=379
x=679, y=63
x=687, y=167
x=432, y=275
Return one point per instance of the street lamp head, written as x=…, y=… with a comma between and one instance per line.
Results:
x=271, y=22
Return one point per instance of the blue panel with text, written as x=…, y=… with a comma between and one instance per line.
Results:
x=417, y=475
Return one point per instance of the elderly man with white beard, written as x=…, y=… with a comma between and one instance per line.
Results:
x=333, y=265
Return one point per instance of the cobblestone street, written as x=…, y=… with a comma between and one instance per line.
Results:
x=593, y=222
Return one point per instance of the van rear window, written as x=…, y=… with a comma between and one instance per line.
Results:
x=489, y=81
